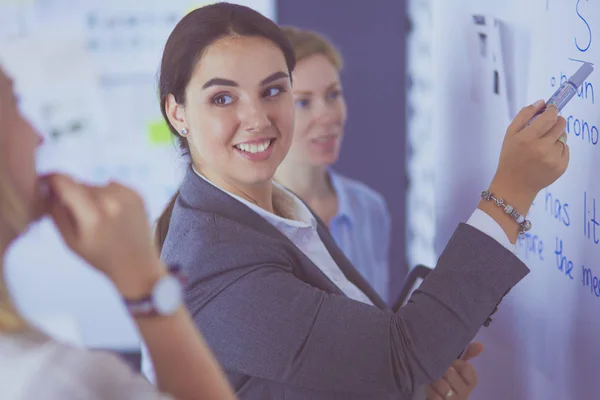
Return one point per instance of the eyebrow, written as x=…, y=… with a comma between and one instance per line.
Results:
x=228, y=82
x=274, y=77
x=219, y=82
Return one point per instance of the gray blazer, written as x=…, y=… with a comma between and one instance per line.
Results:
x=282, y=330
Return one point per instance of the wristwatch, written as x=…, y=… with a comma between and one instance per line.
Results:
x=164, y=300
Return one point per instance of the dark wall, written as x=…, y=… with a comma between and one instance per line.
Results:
x=371, y=36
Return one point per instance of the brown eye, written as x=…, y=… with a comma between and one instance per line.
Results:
x=222, y=100
x=273, y=91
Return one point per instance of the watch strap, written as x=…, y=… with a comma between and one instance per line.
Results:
x=145, y=306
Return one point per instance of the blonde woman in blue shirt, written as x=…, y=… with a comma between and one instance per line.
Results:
x=357, y=216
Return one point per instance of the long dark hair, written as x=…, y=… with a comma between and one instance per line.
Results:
x=184, y=48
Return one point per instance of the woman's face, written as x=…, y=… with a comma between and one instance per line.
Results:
x=320, y=112
x=239, y=112
x=18, y=141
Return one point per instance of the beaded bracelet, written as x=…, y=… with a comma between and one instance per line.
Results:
x=524, y=224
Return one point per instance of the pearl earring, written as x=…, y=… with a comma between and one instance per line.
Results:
x=184, y=132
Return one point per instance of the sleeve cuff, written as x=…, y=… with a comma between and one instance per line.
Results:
x=486, y=224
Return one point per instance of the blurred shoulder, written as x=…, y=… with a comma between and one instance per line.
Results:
x=35, y=366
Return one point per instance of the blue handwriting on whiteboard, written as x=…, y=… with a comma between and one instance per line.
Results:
x=589, y=29
x=557, y=209
x=580, y=127
x=588, y=279
x=562, y=262
x=533, y=245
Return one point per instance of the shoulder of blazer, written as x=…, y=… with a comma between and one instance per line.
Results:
x=197, y=235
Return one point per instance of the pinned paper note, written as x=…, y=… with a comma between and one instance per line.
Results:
x=487, y=60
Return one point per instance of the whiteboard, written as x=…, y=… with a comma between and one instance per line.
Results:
x=543, y=341
x=85, y=73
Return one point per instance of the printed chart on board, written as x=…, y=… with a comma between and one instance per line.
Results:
x=85, y=73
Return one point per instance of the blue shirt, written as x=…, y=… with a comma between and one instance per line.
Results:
x=362, y=230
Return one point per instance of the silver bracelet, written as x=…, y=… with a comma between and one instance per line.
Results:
x=524, y=224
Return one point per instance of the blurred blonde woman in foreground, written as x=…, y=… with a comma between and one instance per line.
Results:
x=107, y=227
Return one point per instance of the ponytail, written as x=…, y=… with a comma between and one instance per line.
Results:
x=162, y=223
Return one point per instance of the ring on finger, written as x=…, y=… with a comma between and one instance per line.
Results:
x=563, y=141
x=449, y=393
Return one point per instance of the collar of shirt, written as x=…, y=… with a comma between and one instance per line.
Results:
x=299, y=216
x=344, y=211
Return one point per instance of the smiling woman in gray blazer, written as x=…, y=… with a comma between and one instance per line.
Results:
x=285, y=312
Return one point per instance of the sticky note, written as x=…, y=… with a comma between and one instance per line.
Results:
x=159, y=133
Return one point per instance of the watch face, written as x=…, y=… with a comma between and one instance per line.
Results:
x=167, y=295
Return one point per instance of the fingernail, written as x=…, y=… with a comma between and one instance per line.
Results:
x=45, y=189
x=538, y=103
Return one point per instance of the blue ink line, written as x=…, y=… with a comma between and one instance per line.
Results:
x=581, y=61
x=583, y=50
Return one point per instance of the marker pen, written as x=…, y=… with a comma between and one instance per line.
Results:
x=567, y=90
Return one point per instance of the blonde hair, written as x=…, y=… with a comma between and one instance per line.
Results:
x=14, y=215
x=12, y=211
x=308, y=43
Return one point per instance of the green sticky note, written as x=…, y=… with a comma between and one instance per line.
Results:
x=159, y=133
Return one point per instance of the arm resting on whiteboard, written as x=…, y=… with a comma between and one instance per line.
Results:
x=486, y=224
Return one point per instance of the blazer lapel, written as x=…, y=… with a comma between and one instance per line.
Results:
x=346, y=266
